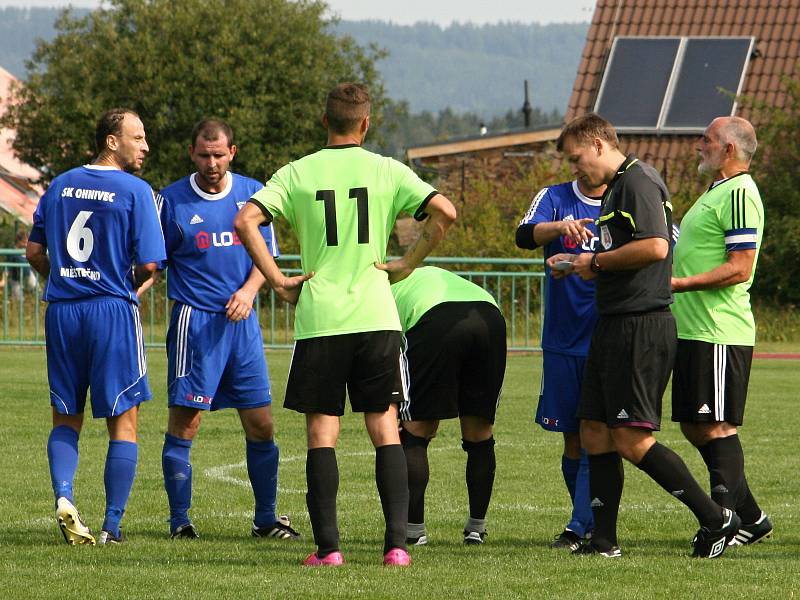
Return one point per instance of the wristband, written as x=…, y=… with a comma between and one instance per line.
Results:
x=594, y=266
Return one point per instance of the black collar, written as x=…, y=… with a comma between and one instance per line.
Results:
x=340, y=146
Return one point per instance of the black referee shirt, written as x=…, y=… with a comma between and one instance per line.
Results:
x=635, y=206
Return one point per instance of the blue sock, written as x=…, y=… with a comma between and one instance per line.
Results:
x=62, y=454
x=582, y=520
x=175, y=463
x=569, y=469
x=262, y=467
x=119, y=474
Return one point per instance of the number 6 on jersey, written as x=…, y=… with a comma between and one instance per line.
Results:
x=80, y=240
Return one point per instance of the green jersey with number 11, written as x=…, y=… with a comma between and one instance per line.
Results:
x=342, y=203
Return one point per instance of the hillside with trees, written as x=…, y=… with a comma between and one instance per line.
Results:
x=466, y=68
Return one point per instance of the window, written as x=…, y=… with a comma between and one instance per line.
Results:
x=672, y=84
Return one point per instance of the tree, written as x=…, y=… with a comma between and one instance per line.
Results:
x=263, y=65
x=775, y=170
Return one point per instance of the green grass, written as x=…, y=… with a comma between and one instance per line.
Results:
x=529, y=507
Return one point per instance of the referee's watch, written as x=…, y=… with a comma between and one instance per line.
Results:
x=594, y=266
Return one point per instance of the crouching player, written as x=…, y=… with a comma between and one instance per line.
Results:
x=456, y=353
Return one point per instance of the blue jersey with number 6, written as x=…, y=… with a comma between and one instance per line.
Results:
x=97, y=222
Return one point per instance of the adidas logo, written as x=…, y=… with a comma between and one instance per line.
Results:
x=704, y=410
x=195, y=220
x=623, y=415
x=239, y=205
x=720, y=489
x=677, y=493
x=597, y=503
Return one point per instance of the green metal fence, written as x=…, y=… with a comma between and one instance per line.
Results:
x=516, y=284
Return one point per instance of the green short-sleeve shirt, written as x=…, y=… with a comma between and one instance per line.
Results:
x=427, y=287
x=727, y=218
x=342, y=203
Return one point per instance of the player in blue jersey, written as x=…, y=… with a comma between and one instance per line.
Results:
x=93, y=223
x=559, y=220
x=214, y=345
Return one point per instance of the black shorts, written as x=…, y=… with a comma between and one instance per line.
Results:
x=366, y=365
x=456, y=358
x=628, y=368
x=709, y=383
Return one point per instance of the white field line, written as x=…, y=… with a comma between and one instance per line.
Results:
x=222, y=472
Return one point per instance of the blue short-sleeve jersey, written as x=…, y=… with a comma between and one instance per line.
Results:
x=570, y=313
x=207, y=261
x=96, y=222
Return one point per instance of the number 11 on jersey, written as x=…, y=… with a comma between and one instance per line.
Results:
x=361, y=196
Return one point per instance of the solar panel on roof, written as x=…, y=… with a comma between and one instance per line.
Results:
x=635, y=81
x=676, y=84
x=707, y=81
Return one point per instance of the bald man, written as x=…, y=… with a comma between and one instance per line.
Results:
x=714, y=264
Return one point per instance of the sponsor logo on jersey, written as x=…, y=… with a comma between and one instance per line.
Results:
x=570, y=244
x=221, y=239
x=605, y=237
x=704, y=410
x=240, y=204
x=195, y=220
x=623, y=414
x=199, y=398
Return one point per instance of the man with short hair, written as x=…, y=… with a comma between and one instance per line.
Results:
x=456, y=353
x=715, y=262
x=92, y=224
x=214, y=344
x=342, y=202
x=633, y=344
x=558, y=220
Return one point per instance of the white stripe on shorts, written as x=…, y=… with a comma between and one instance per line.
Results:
x=182, y=341
x=720, y=366
x=137, y=323
x=405, y=379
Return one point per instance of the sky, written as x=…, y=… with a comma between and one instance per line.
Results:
x=442, y=12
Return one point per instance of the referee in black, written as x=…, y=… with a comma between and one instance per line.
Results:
x=633, y=344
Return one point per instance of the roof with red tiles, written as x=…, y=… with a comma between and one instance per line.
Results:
x=774, y=23
x=18, y=195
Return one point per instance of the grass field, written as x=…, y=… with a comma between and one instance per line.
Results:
x=529, y=507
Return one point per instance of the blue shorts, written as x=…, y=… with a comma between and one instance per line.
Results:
x=215, y=363
x=95, y=344
x=562, y=376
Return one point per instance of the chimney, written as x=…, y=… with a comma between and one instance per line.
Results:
x=526, y=107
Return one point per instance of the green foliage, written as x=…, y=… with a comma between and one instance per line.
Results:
x=491, y=209
x=775, y=171
x=263, y=65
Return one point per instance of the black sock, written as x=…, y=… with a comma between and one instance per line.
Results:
x=391, y=476
x=747, y=507
x=724, y=458
x=416, y=451
x=322, y=478
x=481, y=466
x=606, y=479
x=669, y=471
